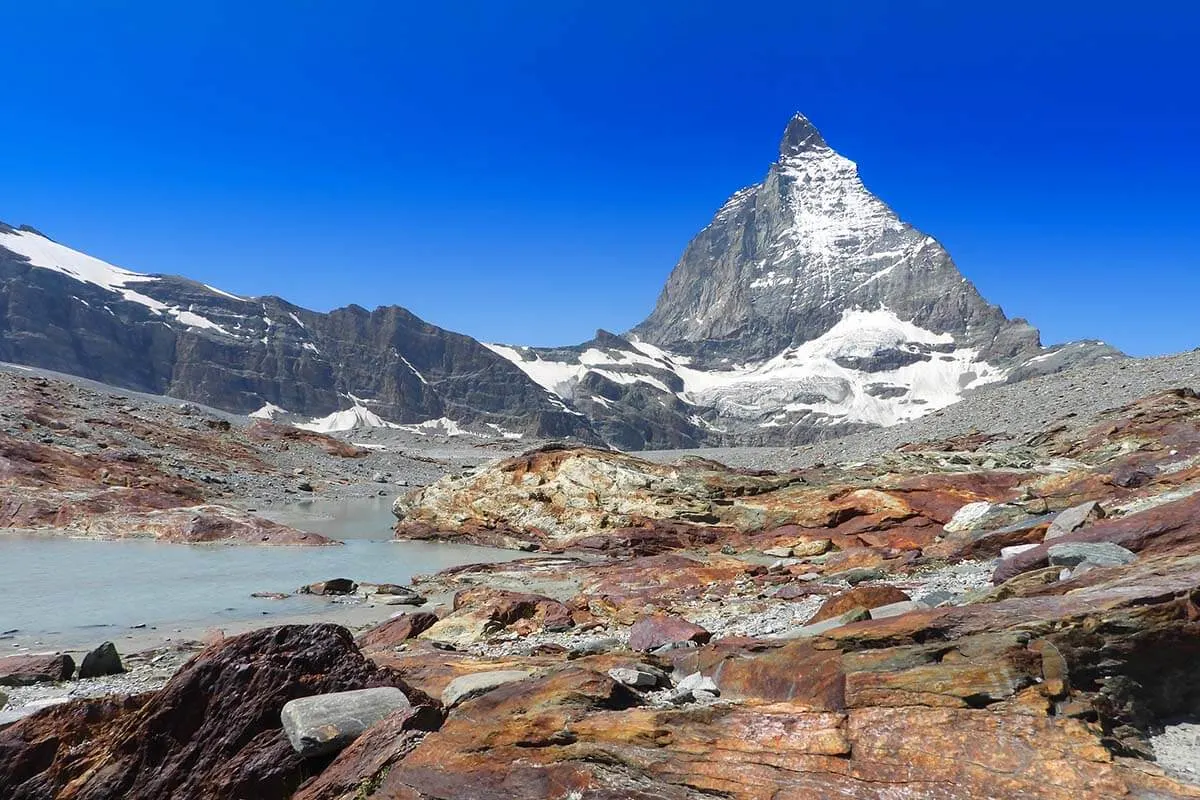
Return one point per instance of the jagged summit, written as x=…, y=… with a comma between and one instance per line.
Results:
x=799, y=136
x=805, y=308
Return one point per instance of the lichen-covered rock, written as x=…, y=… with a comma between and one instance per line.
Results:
x=327, y=723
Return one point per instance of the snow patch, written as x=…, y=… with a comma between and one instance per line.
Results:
x=268, y=411
x=357, y=416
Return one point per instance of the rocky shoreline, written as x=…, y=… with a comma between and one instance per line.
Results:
x=949, y=619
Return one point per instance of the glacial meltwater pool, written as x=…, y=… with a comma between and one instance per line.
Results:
x=58, y=591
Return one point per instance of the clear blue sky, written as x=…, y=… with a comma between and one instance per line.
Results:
x=530, y=171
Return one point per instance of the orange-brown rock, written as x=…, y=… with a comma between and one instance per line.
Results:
x=396, y=631
x=867, y=597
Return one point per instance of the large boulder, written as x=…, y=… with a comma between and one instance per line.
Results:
x=326, y=723
x=1092, y=554
x=1074, y=518
x=865, y=597
x=657, y=630
x=31, y=669
x=104, y=660
x=333, y=586
x=212, y=731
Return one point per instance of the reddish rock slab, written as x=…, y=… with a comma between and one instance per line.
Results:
x=659, y=629
x=213, y=731
x=768, y=671
x=31, y=669
x=396, y=631
x=1172, y=527
x=867, y=597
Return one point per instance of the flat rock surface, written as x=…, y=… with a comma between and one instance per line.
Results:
x=326, y=723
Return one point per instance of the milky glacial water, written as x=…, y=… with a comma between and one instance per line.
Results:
x=61, y=591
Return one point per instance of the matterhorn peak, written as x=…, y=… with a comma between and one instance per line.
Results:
x=800, y=136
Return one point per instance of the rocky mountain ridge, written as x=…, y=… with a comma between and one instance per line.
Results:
x=806, y=309
x=63, y=310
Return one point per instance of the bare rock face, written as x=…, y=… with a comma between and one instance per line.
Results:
x=213, y=731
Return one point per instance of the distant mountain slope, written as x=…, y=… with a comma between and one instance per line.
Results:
x=806, y=308
x=61, y=309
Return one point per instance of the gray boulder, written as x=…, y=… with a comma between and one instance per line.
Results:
x=327, y=723
x=104, y=660
x=466, y=687
x=695, y=687
x=1073, y=519
x=639, y=676
x=1090, y=554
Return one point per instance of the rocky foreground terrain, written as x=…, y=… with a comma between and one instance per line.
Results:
x=952, y=618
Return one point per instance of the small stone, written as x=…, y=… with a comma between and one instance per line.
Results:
x=304, y=486
x=778, y=552
x=673, y=646
x=104, y=660
x=697, y=682
x=816, y=547
x=379, y=477
x=327, y=723
x=596, y=646
x=466, y=687
x=859, y=575
x=633, y=677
